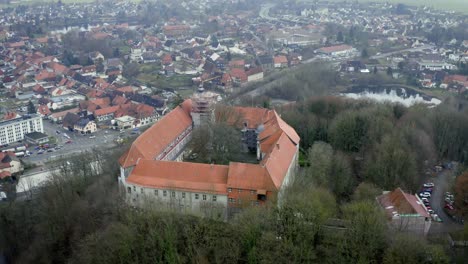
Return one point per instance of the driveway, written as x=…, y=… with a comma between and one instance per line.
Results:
x=441, y=182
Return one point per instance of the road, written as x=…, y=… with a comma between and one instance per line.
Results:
x=441, y=182
x=265, y=12
x=388, y=54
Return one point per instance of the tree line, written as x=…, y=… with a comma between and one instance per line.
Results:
x=79, y=217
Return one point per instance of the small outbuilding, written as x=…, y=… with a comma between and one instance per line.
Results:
x=36, y=138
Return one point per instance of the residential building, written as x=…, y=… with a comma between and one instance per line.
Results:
x=85, y=126
x=9, y=164
x=15, y=129
x=125, y=122
x=254, y=74
x=280, y=61
x=405, y=212
x=337, y=51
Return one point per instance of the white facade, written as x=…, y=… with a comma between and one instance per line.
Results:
x=197, y=203
x=255, y=77
x=14, y=130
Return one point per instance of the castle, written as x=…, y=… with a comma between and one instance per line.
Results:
x=152, y=172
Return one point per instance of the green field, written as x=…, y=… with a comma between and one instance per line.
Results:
x=449, y=5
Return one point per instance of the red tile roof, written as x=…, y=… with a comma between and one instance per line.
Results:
x=401, y=203
x=9, y=115
x=281, y=59
x=43, y=110
x=335, y=48
x=155, y=139
x=106, y=110
x=5, y=174
x=278, y=142
x=249, y=177
x=183, y=176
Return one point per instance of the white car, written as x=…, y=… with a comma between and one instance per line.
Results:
x=92, y=137
x=425, y=195
x=428, y=185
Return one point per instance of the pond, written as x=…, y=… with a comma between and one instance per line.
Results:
x=394, y=94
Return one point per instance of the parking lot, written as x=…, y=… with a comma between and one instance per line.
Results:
x=69, y=142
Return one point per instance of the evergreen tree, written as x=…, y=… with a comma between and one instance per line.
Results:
x=31, y=108
x=339, y=36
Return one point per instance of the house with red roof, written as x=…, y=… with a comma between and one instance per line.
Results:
x=43, y=110
x=280, y=61
x=238, y=75
x=254, y=74
x=335, y=51
x=405, y=212
x=9, y=164
x=151, y=174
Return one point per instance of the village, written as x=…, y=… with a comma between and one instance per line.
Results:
x=77, y=77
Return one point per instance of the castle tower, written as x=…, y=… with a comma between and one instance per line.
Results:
x=203, y=103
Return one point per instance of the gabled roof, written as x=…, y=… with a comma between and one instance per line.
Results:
x=184, y=176
x=249, y=177
x=154, y=140
x=106, y=110
x=400, y=203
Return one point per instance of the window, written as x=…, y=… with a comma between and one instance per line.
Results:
x=141, y=190
x=164, y=193
x=229, y=189
x=196, y=196
x=239, y=190
x=129, y=190
x=204, y=197
x=173, y=194
x=214, y=198
x=156, y=192
x=232, y=200
x=256, y=203
x=183, y=195
x=134, y=188
x=252, y=192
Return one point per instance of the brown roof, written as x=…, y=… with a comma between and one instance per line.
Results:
x=280, y=59
x=106, y=110
x=335, y=48
x=399, y=202
x=249, y=177
x=155, y=140
x=185, y=176
x=278, y=142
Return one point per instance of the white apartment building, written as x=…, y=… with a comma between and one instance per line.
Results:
x=14, y=130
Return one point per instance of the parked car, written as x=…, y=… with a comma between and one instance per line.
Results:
x=429, y=184
x=436, y=218
x=68, y=142
x=449, y=206
x=92, y=137
x=429, y=190
x=424, y=195
x=430, y=211
x=3, y=196
x=424, y=199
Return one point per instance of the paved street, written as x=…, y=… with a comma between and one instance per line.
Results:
x=103, y=139
x=441, y=182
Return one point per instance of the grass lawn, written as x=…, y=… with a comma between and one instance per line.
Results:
x=163, y=82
